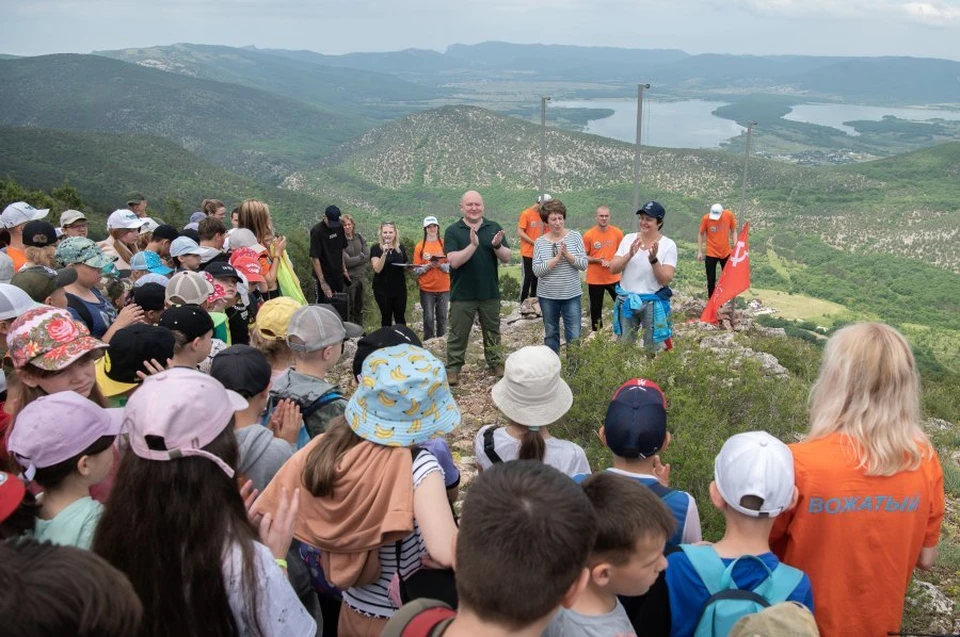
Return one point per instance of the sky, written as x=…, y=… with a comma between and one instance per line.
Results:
x=920, y=28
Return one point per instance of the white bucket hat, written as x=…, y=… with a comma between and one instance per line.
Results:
x=531, y=392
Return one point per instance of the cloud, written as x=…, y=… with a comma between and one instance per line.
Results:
x=934, y=13
x=941, y=13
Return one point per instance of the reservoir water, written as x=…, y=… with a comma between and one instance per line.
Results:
x=834, y=115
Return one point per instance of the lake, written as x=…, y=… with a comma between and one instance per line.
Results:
x=680, y=124
x=834, y=115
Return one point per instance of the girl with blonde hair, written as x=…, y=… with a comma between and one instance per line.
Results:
x=871, y=488
x=271, y=250
x=388, y=259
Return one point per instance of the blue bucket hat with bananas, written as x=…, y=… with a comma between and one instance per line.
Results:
x=403, y=398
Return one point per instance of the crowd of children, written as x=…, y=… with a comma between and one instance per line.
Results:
x=163, y=477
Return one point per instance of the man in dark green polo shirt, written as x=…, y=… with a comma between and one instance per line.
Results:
x=475, y=247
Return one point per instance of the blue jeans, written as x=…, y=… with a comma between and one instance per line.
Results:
x=553, y=310
x=434, y=306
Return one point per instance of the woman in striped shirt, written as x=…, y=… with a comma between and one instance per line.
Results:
x=558, y=259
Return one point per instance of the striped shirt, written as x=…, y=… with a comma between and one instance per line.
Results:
x=563, y=281
x=372, y=599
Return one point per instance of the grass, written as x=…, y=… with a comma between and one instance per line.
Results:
x=801, y=307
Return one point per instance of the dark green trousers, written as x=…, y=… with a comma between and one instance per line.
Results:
x=460, y=321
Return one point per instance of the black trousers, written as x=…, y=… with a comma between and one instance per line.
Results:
x=529, y=281
x=596, y=302
x=392, y=309
x=711, y=265
x=336, y=283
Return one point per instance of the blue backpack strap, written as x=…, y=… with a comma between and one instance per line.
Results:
x=707, y=564
x=782, y=582
x=659, y=490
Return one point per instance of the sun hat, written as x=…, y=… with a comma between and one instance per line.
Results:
x=716, y=211
x=786, y=619
x=12, y=490
x=159, y=279
x=636, y=421
x=150, y=261
x=123, y=219
x=430, y=221
x=14, y=301
x=755, y=464
x=39, y=234
x=44, y=437
x=40, y=281
x=314, y=327
x=188, y=288
x=531, y=392
x=544, y=198
x=129, y=348
x=49, y=338
x=190, y=320
x=70, y=217
x=165, y=231
x=243, y=369
x=20, y=212
x=184, y=245
x=82, y=250
x=652, y=209
x=273, y=318
x=383, y=337
x=245, y=261
x=403, y=398
x=176, y=413
x=150, y=296
x=6, y=268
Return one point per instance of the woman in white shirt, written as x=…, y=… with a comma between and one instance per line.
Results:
x=532, y=396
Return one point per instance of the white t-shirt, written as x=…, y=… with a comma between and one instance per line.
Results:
x=279, y=610
x=638, y=276
x=564, y=455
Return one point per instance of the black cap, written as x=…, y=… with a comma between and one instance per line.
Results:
x=221, y=270
x=39, y=234
x=191, y=320
x=652, y=209
x=384, y=337
x=150, y=296
x=333, y=216
x=165, y=231
x=193, y=234
x=131, y=346
x=242, y=369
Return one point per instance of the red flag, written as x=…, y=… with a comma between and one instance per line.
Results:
x=734, y=280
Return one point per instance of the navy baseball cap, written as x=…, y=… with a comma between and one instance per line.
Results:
x=636, y=422
x=652, y=209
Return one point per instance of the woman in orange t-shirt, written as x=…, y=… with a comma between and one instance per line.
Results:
x=871, y=487
x=434, y=279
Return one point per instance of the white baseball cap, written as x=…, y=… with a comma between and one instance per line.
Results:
x=430, y=221
x=544, y=198
x=184, y=245
x=716, y=210
x=6, y=268
x=13, y=302
x=20, y=212
x=755, y=464
x=124, y=219
x=148, y=225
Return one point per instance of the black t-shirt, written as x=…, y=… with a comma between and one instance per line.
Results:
x=327, y=245
x=392, y=279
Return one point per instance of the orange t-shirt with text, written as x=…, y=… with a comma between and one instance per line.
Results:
x=858, y=537
x=601, y=244
x=434, y=279
x=530, y=224
x=718, y=234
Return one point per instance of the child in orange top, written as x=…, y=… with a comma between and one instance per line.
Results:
x=871, y=488
x=434, y=278
x=601, y=243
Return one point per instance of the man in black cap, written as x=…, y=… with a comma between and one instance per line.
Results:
x=327, y=243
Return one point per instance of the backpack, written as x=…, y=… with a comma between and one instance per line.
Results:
x=488, y=447
x=305, y=412
x=420, y=618
x=727, y=603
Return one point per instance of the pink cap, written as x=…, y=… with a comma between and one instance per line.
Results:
x=178, y=412
x=246, y=262
x=44, y=435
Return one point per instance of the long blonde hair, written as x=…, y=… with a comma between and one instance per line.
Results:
x=396, y=231
x=869, y=389
x=255, y=216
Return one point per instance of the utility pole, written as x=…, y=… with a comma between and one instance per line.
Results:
x=742, y=213
x=543, y=145
x=636, y=157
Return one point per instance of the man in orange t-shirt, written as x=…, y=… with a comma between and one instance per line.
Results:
x=529, y=228
x=601, y=242
x=719, y=229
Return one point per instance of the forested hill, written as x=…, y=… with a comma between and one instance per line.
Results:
x=252, y=132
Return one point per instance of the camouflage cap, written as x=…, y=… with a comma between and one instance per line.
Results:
x=82, y=250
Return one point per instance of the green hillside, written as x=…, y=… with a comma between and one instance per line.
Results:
x=246, y=130
x=104, y=167
x=349, y=91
